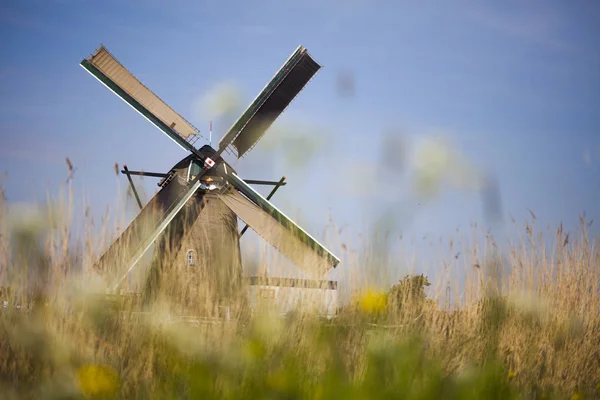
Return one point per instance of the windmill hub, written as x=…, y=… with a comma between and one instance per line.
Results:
x=192, y=219
x=207, y=166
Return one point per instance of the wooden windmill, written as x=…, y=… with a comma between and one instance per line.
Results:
x=193, y=217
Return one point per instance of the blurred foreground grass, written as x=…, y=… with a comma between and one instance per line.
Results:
x=535, y=334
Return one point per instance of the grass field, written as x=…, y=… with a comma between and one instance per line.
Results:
x=534, y=334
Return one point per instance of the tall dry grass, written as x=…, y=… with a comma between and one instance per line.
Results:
x=528, y=326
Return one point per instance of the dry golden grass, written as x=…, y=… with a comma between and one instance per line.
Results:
x=531, y=331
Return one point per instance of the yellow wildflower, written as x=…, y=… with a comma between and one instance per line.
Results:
x=577, y=396
x=98, y=380
x=372, y=301
x=511, y=374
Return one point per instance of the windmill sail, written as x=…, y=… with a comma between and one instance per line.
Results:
x=277, y=229
x=270, y=103
x=104, y=67
x=123, y=255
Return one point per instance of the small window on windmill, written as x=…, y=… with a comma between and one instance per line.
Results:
x=191, y=257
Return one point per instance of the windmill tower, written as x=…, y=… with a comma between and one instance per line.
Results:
x=192, y=220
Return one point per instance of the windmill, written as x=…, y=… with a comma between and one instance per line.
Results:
x=194, y=215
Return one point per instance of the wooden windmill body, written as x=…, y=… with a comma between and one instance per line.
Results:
x=197, y=265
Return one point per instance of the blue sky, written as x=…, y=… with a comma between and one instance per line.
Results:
x=514, y=86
